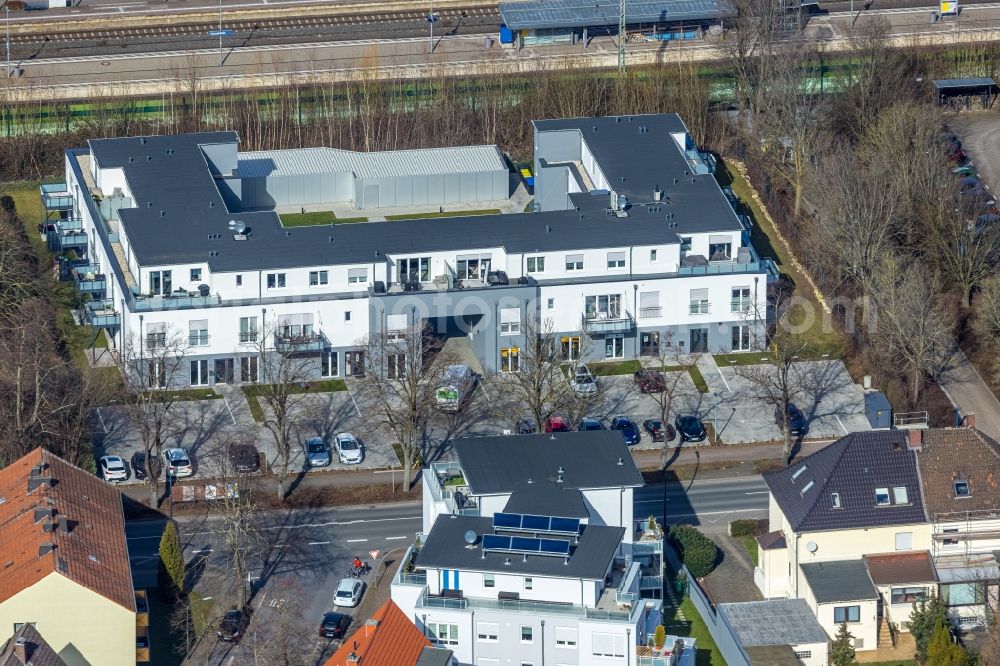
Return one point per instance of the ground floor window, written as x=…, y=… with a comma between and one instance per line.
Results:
x=354, y=364
x=330, y=367
x=570, y=348
x=510, y=359
x=649, y=343
x=908, y=595
x=614, y=347
x=199, y=373
x=741, y=337
x=156, y=374
x=843, y=614
x=396, y=366
x=249, y=370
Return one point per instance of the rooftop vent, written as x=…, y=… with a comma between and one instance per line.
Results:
x=657, y=194
x=92, y=558
x=45, y=548
x=47, y=527
x=131, y=159
x=621, y=462
x=42, y=513
x=353, y=658
x=142, y=139
x=149, y=158
x=63, y=525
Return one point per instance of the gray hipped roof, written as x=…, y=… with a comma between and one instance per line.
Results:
x=539, y=14
x=589, y=459
x=543, y=497
x=773, y=622
x=842, y=580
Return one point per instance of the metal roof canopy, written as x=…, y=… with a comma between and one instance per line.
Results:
x=587, y=13
x=952, y=84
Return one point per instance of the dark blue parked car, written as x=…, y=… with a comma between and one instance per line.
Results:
x=627, y=428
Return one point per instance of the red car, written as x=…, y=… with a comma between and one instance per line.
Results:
x=649, y=381
x=556, y=424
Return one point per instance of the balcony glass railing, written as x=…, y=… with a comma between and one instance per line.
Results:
x=306, y=342
x=175, y=301
x=519, y=606
x=611, y=322
x=72, y=224
x=55, y=196
x=723, y=267
x=102, y=314
x=97, y=283
x=73, y=239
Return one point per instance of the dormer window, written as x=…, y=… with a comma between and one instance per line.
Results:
x=882, y=497
x=962, y=489
x=835, y=500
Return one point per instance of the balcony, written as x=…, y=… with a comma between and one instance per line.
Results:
x=56, y=196
x=91, y=284
x=447, y=484
x=69, y=224
x=175, y=301
x=531, y=607
x=596, y=323
x=723, y=267
x=651, y=312
x=72, y=239
x=102, y=314
x=299, y=344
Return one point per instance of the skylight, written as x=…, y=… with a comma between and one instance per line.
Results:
x=962, y=489
x=899, y=495
x=806, y=488
x=835, y=500
x=798, y=472
x=882, y=497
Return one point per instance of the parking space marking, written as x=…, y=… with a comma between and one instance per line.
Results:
x=356, y=540
x=100, y=418
x=837, y=416
x=351, y=393
x=230, y=409
x=719, y=370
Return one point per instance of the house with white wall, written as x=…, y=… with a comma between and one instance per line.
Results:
x=632, y=245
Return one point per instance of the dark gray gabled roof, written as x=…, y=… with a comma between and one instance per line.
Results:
x=589, y=459
x=853, y=467
x=37, y=651
x=434, y=656
x=841, y=580
x=773, y=622
x=445, y=548
x=545, y=498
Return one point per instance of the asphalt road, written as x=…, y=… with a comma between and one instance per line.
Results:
x=708, y=503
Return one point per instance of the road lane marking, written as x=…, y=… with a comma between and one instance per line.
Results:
x=351, y=393
x=757, y=492
x=308, y=525
x=318, y=543
x=394, y=538
x=356, y=540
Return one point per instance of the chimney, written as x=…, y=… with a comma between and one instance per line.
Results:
x=63, y=525
x=914, y=439
x=21, y=649
x=353, y=658
x=969, y=421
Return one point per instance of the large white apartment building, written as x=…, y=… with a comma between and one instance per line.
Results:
x=632, y=241
x=532, y=556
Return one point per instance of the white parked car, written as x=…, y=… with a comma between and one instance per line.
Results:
x=113, y=468
x=348, y=449
x=349, y=592
x=582, y=381
x=177, y=463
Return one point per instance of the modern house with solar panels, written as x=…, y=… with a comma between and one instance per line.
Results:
x=631, y=243
x=531, y=555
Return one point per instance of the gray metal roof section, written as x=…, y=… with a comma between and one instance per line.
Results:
x=589, y=459
x=853, y=467
x=445, y=548
x=944, y=84
x=840, y=580
x=540, y=14
x=434, y=656
x=384, y=164
x=773, y=622
x=543, y=497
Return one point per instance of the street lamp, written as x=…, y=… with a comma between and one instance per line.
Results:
x=432, y=19
x=6, y=9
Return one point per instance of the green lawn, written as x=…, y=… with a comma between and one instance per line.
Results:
x=447, y=213
x=707, y=652
x=191, y=394
x=314, y=218
x=621, y=368
x=750, y=543
x=698, y=379
x=254, y=391
x=744, y=358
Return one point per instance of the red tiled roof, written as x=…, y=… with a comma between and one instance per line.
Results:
x=771, y=540
x=91, y=552
x=959, y=454
x=899, y=568
x=387, y=639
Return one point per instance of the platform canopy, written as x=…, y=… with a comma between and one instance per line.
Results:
x=543, y=14
x=954, y=85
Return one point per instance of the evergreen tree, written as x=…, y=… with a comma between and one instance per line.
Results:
x=942, y=649
x=842, y=650
x=923, y=618
x=171, y=572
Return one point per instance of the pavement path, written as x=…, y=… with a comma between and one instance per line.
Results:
x=965, y=387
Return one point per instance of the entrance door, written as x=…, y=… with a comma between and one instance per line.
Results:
x=248, y=369
x=224, y=371
x=699, y=340
x=649, y=343
x=354, y=365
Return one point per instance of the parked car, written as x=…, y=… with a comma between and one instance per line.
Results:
x=582, y=381
x=556, y=424
x=524, y=427
x=627, y=428
x=243, y=458
x=139, y=465
x=797, y=423
x=965, y=170
x=233, y=624
x=348, y=449
x=113, y=468
x=317, y=452
x=590, y=423
x=334, y=625
x=349, y=592
x=659, y=431
x=649, y=381
x=177, y=463
x=690, y=428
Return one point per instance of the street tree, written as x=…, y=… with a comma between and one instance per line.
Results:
x=148, y=364
x=674, y=366
x=171, y=571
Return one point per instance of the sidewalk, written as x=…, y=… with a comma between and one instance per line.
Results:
x=700, y=455
x=966, y=389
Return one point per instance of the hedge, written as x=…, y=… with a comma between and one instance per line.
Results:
x=744, y=527
x=698, y=552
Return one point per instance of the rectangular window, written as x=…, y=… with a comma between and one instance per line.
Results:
x=199, y=373
x=843, y=614
x=605, y=306
x=719, y=247
x=489, y=580
x=198, y=332
x=882, y=497
x=442, y=634
x=527, y=634
x=156, y=374
x=347, y=315
x=195, y=275
x=565, y=637
x=574, y=262
x=614, y=346
x=239, y=280
x=156, y=335
x=536, y=264
x=908, y=595
x=698, y=301
x=899, y=495
x=551, y=304
x=803, y=654
x=330, y=364
x=904, y=540
x=472, y=267
x=318, y=278
x=741, y=337
x=396, y=325
x=19, y=625
x=160, y=283
x=616, y=260
x=685, y=244
x=740, y=299
x=961, y=489
x=652, y=256
x=416, y=269
x=248, y=329
x=570, y=347
x=649, y=305
x=835, y=500
x=357, y=275
x=510, y=359
x=249, y=369
x=296, y=326
x=950, y=541
x=396, y=366
x=608, y=645
x=275, y=280
x=487, y=632
x=964, y=594
x=510, y=321
x=529, y=583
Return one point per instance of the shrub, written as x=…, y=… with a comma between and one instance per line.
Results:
x=698, y=552
x=744, y=527
x=842, y=650
x=171, y=570
x=661, y=635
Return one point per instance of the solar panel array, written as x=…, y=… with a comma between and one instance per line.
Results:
x=525, y=545
x=539, y=524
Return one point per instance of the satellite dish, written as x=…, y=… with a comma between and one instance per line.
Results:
x=240, y=226
x=812, y=547
x=232, y=223
x=471, y=537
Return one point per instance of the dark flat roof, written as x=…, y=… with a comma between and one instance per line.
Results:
x=944, y=84
x=538, y=14
x=900, y=568
x=445, y=548
x=589, y=459
x=841, y=580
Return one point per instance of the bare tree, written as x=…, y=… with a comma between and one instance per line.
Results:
x=987, y=320
x=674, y=366
x=965, y=250
x=284, y=366
x=747, y=47
x=403, y=369
x=148, y=364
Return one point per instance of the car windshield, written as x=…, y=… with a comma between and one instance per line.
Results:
x=689, y=422
x=348, y=444
x=344, y=593
x=139, y=459
x=655, y=425
x=180, y=461
x=316, y=447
